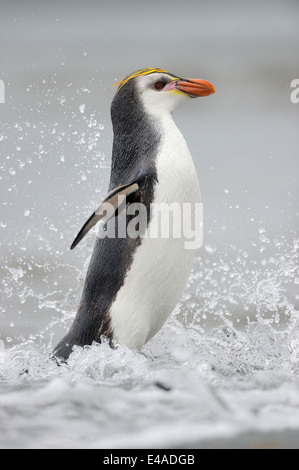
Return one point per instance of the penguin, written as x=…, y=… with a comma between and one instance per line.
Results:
x=133, y=283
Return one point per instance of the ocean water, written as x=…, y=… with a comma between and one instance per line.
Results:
x=221, y=368
x=224, y=370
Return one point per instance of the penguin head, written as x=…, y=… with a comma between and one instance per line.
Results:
x=161, y=91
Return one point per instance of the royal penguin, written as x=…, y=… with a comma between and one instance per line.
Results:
x=134, y=280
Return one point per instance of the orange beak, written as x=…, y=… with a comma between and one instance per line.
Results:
x=195, y=87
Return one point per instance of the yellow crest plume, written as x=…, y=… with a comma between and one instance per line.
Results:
x=138, y=73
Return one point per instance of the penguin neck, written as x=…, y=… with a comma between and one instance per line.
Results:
x=137, y=135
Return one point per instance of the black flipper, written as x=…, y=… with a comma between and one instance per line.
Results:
x=113, y=198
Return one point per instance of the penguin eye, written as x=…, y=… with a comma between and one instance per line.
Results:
x=159, y=85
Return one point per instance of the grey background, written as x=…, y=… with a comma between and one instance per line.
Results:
x=55, y=154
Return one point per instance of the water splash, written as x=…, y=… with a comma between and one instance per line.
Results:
x=223, y=365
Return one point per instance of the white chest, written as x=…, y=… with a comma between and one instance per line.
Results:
x=177, y=178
